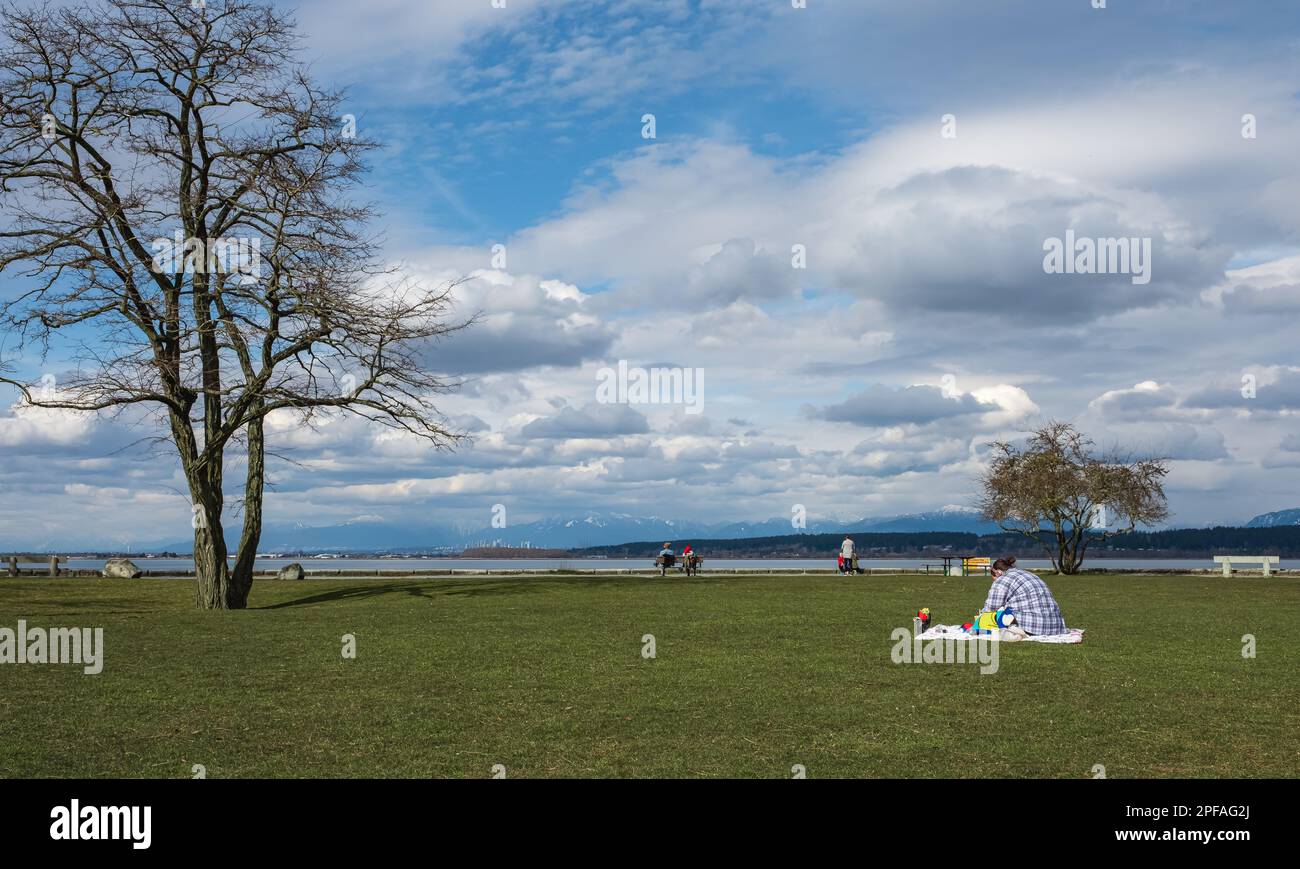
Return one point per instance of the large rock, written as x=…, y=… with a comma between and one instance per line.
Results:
x=291, y=571
x=121, y=568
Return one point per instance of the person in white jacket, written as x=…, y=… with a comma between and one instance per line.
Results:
x=846, y=554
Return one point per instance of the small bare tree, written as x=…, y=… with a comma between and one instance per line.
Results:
x=172, y=179
x=1053, y=489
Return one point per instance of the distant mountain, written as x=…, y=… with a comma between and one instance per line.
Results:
x=947, y=519
x=780, y=525
x=364, y=534
x=1276, y=519
x=592, y=529
x=589, y=529
x=377, y=534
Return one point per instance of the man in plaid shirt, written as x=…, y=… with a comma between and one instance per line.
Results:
x=1028, y=597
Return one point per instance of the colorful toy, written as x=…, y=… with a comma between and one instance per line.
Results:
x=988, y=622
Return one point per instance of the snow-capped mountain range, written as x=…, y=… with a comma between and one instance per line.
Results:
x=1276, y=519
x=373, y=533
x=591, y=529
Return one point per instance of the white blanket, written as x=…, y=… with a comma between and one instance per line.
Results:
x=1007, y=635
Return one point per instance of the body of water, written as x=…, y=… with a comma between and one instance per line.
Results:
x=597, y=564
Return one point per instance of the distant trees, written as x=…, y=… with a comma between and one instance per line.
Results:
x=1283, y=540
x=1055, y=489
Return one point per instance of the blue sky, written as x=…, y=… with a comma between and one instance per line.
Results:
x=865, y=384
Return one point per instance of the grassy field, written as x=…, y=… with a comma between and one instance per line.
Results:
x=753, y=675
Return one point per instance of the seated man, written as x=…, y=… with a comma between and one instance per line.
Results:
x=1027, y=596
x=666, y=557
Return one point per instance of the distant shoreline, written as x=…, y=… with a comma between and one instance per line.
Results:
x=560, y=555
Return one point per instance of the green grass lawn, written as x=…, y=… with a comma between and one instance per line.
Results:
x=753, y=675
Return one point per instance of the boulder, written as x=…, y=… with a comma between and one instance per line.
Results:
x=291, y=571
x=121, y=568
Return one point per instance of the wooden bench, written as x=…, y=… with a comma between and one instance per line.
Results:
x=690, y=566
x=51, y=561
x=1265, y=560
x=663, y=562
x=973, y=566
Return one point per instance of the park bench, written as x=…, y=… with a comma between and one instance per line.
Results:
x=50, y=561
x=961, y=565
x=690, y=566
x=1229, y=560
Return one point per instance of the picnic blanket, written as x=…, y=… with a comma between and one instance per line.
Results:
x=1006, y=635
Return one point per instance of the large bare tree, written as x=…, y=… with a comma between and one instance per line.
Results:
x=1055, y=489
x=179, y=196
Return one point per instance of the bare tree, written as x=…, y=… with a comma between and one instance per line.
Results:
x=172, y=179
x=1053, y=489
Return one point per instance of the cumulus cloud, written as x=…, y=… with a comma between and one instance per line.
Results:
x=1271, y=300
x=28, y=429
x=1176, y=441
x=1276, y=388
x=1145, y=400
x=914, y=405
x=525, y=322
x=592, y=421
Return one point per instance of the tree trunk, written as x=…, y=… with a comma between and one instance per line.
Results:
x=211, y=567
x=242, y=577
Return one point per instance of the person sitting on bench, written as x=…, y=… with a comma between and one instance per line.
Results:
x=665, y=559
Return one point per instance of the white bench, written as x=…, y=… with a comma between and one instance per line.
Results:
x=1228, y=560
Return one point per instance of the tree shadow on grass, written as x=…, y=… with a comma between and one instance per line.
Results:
x=354, y=592
x=457, y=588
